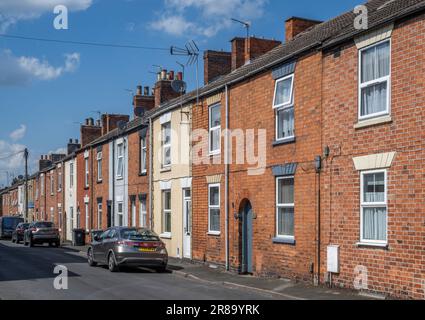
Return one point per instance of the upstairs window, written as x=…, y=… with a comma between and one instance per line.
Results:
x=215, y=129
x=52, y=183
x=143, y=155
x=120, y=160
x=86, y=174
x=59, y=180
x=99, y=166
x=166, y=144
x=284, y=106
x=71, y=174
x=375, y=80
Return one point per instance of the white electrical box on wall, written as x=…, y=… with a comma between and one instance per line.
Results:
x=333, y=259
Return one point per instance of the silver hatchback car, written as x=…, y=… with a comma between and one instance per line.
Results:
x=134, y=247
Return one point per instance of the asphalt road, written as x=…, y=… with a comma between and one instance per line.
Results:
x=28, y=273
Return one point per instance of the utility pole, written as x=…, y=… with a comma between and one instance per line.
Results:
x=26, y=153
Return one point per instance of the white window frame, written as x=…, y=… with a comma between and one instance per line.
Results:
x=60, y=180
x=213, y=129
x=143, y=151
x=364, y=205
x=42, y=185
x=71, y=175
x=214, y=207
x=374, y=82
x=283, y=106
x=283, y=205
x=164, y=212
x=86, y=172
x=52, y=183
x=120, y=156
x=86, y=209
x=99, y=214
x=165, y=146
x=143, y=213
x=120, y=213
x=99, y=157
x=133, y=213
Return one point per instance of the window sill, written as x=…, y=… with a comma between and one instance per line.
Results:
x=143, y=174
x=166, y=169
x=99, y=181
x=284, y=141
x=214, y=154
x=290, y=241
x=165, y=236
x=214, y=234
x=373, y=122
x=372, y=245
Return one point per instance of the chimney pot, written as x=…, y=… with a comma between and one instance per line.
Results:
x=171, y=75
x=180, y=76
x=164, y=74
x=146, y=91
x=139, y=90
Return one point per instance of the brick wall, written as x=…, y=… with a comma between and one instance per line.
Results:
x=399, y=269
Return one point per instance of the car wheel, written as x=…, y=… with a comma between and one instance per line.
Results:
x=13, y=240
x=161, y=269
x=112, y=266
x=90, y=258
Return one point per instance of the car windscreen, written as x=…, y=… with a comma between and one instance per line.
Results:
x=138, y=235
x=44, y=225
x=11, y=223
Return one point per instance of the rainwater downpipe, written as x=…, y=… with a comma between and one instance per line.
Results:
x=226, y=179
x=150, y=174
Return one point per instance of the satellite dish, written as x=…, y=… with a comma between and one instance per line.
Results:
x=139, y=111
x=179, y=86
x=122, y=125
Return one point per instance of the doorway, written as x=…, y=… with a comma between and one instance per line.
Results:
x=247, y=235
x=187, y=229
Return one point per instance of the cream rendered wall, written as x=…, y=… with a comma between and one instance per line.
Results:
x=180, y=169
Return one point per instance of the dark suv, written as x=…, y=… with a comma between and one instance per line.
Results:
x=40, y=233
x=18, y=233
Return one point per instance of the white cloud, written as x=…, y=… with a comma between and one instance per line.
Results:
x=15, y=161
x=19, y=133
x=211, y=16
x=12, y=11
x=58, y=151
x=22, y=70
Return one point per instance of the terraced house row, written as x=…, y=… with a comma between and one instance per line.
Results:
x=303, y=159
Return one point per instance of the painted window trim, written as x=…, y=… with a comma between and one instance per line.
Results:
x=165, y=145
x=99, y=214
x=283, y=106
x=286, y=205
x=361, y=85
x=120, y=145
x=164, y=211
x=214, y=207
x=86, y=172
x=363, y=205
x=122, y=212
x=143, y=213
x=99, y=158
x=213, y=129
x=143, y=150
x=291, y=97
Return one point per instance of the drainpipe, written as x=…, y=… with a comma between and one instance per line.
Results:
x=226, y=178
x=318, y=165
x=113, y=185
x=91, y=188
x=150, y=174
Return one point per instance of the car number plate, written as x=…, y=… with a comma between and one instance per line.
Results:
x=147, y=249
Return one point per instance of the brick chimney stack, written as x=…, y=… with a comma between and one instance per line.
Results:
x=163, y=90
x=89, y=132
x=216, y=64
x=44, y=163
x=144, y=100
x=245, y=50
x=296, y=25
x=73, y=146
x=110, y=122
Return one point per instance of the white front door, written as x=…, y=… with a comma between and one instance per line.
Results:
x=69, y=223
x=187, y=225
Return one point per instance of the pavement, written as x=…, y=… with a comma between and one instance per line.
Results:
x=271, y=287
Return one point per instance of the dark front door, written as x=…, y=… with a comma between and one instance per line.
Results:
x=247, y=238
x=109, y=214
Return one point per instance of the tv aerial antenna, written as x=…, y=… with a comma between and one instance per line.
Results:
x=246, y=24
x=191, y=50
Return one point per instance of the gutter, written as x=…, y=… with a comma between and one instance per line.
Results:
x=150, y=174
x=226, y=175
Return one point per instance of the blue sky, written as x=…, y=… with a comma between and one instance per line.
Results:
x=46, y=89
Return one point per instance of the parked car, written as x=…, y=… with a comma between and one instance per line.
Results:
x=18, y=233
x=8, y=225
x=134, y=247
x=40, y=233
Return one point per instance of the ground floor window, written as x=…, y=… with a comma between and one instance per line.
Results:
x=373, y=223
x=120, y=213
x=87, y=216
x=285, y=207
x=214, y=208
x=166, y=211
x=143, y=213
x=99, y=214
